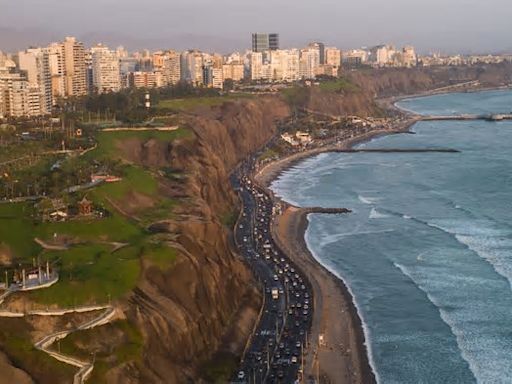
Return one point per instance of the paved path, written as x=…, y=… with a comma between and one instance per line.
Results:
x=85, y=367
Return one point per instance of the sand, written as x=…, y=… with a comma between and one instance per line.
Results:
x=342, y=357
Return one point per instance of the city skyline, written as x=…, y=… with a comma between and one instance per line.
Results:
x=224, y=25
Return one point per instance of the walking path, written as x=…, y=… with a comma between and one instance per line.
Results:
x=85, y=367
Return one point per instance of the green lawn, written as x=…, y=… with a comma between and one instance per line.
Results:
x=194, y=102
x=108, y=141
x=338, y=85
x=134, y=179
x=91, y=274
x=17, y=230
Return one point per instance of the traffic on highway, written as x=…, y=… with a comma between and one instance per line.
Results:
x=275, y=353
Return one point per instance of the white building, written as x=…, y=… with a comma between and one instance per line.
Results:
x=309, y=63
x=192, y=66
x=256, y=65
x=35, y=62
x=19, y=99
x=171, y=68
x=106, y=75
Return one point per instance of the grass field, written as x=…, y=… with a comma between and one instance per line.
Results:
x=194, y=102
x=108, y=141
x=338, y=85
x=89, y=272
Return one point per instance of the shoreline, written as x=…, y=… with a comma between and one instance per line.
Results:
x=289, y=229
x=346, y=356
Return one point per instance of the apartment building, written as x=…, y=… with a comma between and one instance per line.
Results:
x=106, y=75
x=73, y=53
x=35, y=63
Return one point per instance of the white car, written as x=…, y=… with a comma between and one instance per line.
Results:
x=241, y=375
x=294, y=359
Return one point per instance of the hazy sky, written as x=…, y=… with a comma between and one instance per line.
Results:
x=446, y=25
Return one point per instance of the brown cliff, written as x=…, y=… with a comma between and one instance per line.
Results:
x=207, y=301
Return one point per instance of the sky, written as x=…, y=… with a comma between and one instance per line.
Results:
x=449, y=26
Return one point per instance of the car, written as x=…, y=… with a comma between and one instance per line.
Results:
x=294, y=359
x=276, y=278
x=297, y=344
x=241, y=375
x=280, y=374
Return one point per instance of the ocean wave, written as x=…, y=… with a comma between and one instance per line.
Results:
x=368, y=200
x=326, y=240
x=366, y=329
x=447, y=319
x=374, y=214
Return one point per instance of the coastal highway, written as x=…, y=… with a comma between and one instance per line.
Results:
x=276, y=350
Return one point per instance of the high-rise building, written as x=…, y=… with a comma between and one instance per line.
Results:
x=233, y=71
x=285, y=64
x=256, y=65
x=354, y=58
x=56, y=60
x=171, y=69
x=35, y=62
x=409, y=56
x=146, y=79
x=192, y=67
x=19, y=99
x=106, y=74
x=320, y=47
x=265, y=42
x=309, y=63
x=332, y=56
x=212, y=76
x=74, y=67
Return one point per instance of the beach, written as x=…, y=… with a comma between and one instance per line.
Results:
x=337, y=348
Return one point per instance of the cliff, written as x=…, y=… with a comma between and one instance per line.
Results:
x=357, y=92
x=207, y=301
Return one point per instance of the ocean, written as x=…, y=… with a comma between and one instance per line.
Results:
x=427, y=251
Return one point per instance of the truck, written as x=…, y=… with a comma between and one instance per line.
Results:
x=275, y=293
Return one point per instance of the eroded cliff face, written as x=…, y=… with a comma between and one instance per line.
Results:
x=10, y=374
x=207, y=301
x=399, y=81
x=364, y=86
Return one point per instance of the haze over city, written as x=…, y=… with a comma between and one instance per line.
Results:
x=434, y=25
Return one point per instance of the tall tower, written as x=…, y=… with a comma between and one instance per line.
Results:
x=74, y=67
x=265, y=42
